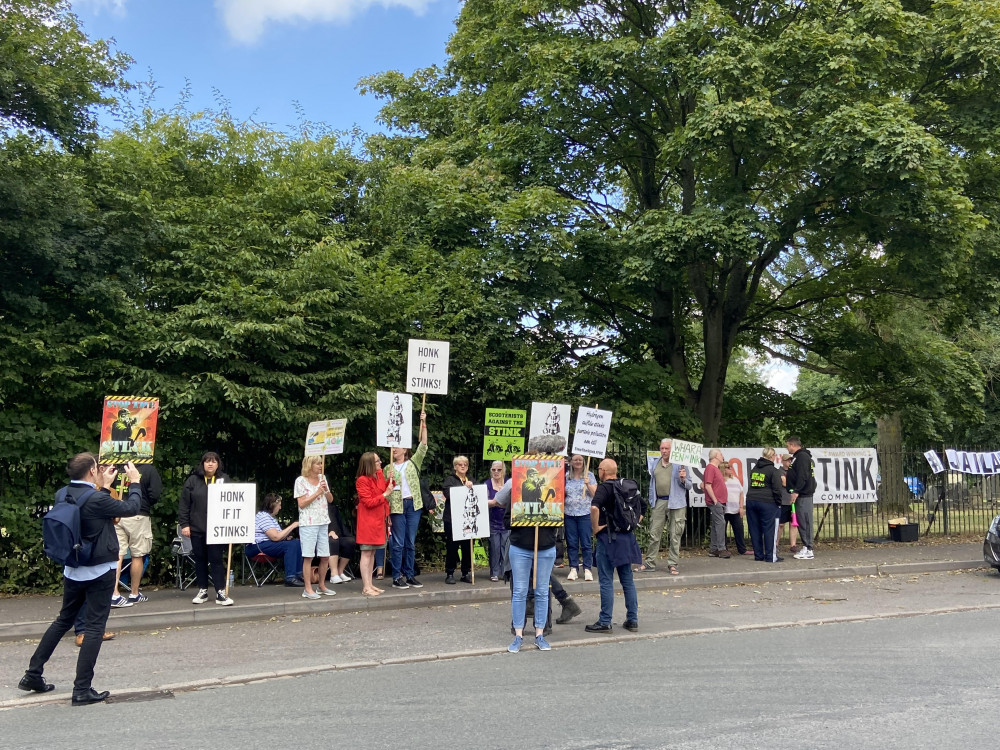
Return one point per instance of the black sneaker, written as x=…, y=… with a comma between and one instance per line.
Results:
x=399, y=583
x=598, y=628
x=414, y=582
x=450, y=578
x=631, y=625
x=466, y=578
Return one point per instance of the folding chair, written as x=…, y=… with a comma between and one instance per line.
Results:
x=262, y=567
x=184, y=570
x=125, y=580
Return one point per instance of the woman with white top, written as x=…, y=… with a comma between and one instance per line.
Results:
x=735, y=507
x=313, y=493
x=580, y=489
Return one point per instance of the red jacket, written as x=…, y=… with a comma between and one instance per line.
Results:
x=373, y=509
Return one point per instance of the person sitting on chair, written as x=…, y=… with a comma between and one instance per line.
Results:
x=342, y=546
x=273, y=540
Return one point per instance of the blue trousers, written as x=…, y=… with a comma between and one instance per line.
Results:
x=579, y=536
x=605, y=576
x=288, y=549
x=403, y=552
x=520, y=570
x=764, y=518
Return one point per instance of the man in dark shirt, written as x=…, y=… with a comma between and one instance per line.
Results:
x=616, y=550
x=90, y=584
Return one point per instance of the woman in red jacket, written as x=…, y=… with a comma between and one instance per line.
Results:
x=373, y=510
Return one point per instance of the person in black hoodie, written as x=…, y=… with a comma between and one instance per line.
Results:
x=192, y=517
x=802, y=486
x=763, y=505
x=90, y=584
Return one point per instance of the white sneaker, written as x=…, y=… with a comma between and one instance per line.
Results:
x=337, y=579
x=222, y=600
x=803, y=554
x=808, y=554
x=587, y=575
x=201, y=597
x=572, y=575
x=345, y=577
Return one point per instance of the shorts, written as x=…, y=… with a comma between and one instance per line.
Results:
x=135, y=535
x=370, y=547
x=786, y=514
x=315, y=541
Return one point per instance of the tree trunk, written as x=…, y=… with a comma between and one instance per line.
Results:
x=893, y=494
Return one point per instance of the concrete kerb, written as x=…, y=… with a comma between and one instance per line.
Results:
x=145, y=621
x=237, y=680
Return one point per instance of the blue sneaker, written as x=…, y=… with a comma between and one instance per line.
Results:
x=543, y=645
x=515, y=645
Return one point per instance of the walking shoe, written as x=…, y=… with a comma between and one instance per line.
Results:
x=597, y=627
x=466, y=578
x=724, y=554
x=631, y=626
x=310, y=595
x=118, y=601
x=494, y=578
x=336, y=579
x=222, y=600
x=35, y=685
x=345, y=576
x=779, y=559
x=713, y=553
x=140, y=597
x=572, y=575
x=794, y=548
x=295, y=582
x=570, y=609
x=88, y=696
x=450, y=578
x=414, y=583
x=805, y=554
x=543, y=645
x=587, y=575
x=514, y=647
x=399, y=583
x=106, y=637
x=201, y=597
x=328, y=592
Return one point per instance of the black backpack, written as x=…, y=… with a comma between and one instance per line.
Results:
x=62, y=537
x=628, y=504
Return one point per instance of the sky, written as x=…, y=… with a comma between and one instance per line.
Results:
x=266, y=57
x=278, y=61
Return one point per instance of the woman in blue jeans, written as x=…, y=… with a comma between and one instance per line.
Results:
x=521, y=554
x=580, y=487
x=273, y=540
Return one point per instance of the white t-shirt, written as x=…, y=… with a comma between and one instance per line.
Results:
x=735, y=490
x=316, y=513
x=404, y=486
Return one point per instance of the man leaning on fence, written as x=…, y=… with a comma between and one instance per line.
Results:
x=90, y=584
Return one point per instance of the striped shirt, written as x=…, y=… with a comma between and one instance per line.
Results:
x=262, y=523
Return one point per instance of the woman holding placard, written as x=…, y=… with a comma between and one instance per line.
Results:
x=453, y=549
x=312, y=492
x=499, y=536
x=192, y=518
x=580, y=488
x=405, y=507
x=373, y=511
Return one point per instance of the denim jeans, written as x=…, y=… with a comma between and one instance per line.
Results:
x=605, y=576
x=287, y=549
x=579, y=535
x=404, y=539
x=498, y=540
x=520, y=570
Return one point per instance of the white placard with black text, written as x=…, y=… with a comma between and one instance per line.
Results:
x=593, y=428
x=470, y=513
x=231, y=510
x=393, y=420
x=550, y=419
x=427, y=367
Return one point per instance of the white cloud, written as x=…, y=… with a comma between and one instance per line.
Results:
x=781, y=376
x=246, y=20
x=115, y=6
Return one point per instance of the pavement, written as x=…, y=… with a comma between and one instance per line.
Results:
x=27, y=617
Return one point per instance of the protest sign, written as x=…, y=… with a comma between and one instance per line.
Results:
x=231, y=510
x=504, y=434
x=326, y=437
x=427, y=367
x=128, y=429
x=550, y=419
x=969, y=462
x=393, y=420
x=685, y=453
x=436, y=516
x=935, y=461
x=593, y=427
x=470, y=513
x=538, y=491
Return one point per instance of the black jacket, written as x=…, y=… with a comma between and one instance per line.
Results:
x=452, y=481
x=151, y=485
x=193, y=508
x=800, y=473
x=765, y=483
x=97, y=518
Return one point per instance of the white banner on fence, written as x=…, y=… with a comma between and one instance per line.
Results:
x=843, y=475
x=230, y=513
x=935, y=461
x=969, y=462
x=685, y=453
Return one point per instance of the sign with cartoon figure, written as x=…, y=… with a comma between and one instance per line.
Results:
x=470, y=513
x=550, y=419
x=393, y=420
x=128, y=429
x=504, y=434
x=538, y=491
x=326, y=437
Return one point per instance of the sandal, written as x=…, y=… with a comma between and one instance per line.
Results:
x=673, y=571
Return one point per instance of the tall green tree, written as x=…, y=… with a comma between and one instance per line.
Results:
x=726, y=164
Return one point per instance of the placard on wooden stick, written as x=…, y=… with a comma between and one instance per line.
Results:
x=427, y=367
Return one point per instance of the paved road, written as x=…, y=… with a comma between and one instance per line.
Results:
x=892, y=681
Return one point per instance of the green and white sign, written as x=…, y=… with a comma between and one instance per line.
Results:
x=504, y=433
